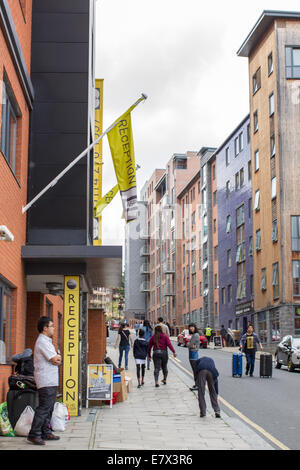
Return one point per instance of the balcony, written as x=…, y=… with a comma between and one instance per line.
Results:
x=145, y=286
x=169, y=268
x=169, y=291
x=144, y=251
x=144, y=235
x=145, y=268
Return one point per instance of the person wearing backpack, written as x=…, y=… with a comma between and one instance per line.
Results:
x=148, y=333
x=140, y=350
x=124, y=340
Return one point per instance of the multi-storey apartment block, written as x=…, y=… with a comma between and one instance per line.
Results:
x=273, y=52
x=234, y=196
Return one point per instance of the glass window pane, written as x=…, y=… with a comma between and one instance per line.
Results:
x=288, y=56
x=296, y=57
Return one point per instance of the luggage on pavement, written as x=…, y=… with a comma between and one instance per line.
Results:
x=24, y=362
x=237, y=365
x=20, y=382
x=265, y=365
x=17, y=400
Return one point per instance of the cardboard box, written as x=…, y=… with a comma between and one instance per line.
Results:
x=122, y=395
x=117, y=387
x=129, y=384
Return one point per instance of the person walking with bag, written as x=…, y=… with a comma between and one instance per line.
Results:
x=46, y=364
x=207, y=373
x=148, y=333
x=140, y=351
x=160, y=343
x=124, y=340
x=248, y=345
x=193, y=347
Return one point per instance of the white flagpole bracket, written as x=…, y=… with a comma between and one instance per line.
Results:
x=76, y=160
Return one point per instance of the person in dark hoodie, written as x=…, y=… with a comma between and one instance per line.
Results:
x=140, y=350
x=207, y=372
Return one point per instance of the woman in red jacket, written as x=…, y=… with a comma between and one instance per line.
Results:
x=160, y=344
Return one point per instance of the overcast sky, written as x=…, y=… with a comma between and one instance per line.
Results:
x=182, y=54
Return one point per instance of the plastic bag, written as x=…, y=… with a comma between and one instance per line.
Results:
x=59, y=417
x=5, y=426
x=24, y=423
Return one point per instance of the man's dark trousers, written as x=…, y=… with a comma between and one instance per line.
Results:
x=42, y=417
x=203, y=377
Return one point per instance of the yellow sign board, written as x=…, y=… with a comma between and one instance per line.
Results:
x=71, y=344
x=100, y=382
x=98, y=159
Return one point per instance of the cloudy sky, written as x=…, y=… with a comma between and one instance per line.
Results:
x=182, y=54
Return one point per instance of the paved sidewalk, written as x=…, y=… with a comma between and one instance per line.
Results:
x=151, y=418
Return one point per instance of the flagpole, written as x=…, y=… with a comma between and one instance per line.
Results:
x=76, y=160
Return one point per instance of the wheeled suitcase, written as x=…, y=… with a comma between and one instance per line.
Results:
x=237, y=365
x=265, y=365
x=17, y=400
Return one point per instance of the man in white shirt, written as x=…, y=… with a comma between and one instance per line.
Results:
x=164, y=327
x=46, y=364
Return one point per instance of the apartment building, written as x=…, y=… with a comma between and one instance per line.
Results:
x=234, y=201
x=273, y=51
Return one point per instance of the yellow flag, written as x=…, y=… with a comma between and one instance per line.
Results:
x=105, y=200
x=120, y=140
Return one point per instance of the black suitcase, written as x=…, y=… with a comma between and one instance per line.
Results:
x=17, y=400
x=265, y=365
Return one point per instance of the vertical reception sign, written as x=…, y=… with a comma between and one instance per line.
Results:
x=98, y=156
x=71, y=344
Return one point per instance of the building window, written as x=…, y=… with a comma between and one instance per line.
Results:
x=271, y=104
x=240, y=215
x=295, y=222
x=275, y=280
x=256, y=160
x=256, y=81
x=5, y=323
x=251, y=246
x=228, y=224
x=240, y=253
x=237, y=181
x=215, y=198
x=229, y=293
x=227, y=156
x=216, y=281
x=274, y=231
x=292, y=62
x=241, y=282
x=229, y=258
x=273, y=188
x=251, y=284
x=9, y=125
x=223, y=295
x=250, y=207
x=255, y=122
x=272, y=145
x=241, y=141
x=248, y=133
x=236, y=146
x=257, y=200
x=296, y=278
x=262, y=327
x=263, y=279
x=258, y=240
x=227, y=189
x=270, y=64
x=249, y=170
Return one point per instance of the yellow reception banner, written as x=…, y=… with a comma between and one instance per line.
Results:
x=105, y=200
x=120, y=140
x=71, y=344
x=98, y=159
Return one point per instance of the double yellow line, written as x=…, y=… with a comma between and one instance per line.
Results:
x=239, y=414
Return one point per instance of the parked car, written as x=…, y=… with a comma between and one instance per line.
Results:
x=184, y=337
x=114, y=325
x=288, y=353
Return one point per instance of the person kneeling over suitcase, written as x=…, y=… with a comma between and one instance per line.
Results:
x=46, y=364
x=206, y=372
x=248, y=345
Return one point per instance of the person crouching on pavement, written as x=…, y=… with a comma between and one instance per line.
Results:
x=248, y=345
x=207, y=372
x=140, y=350
x=46, y=364
x=193, y=346
x=160, y=344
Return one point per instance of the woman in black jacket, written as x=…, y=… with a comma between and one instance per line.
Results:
x=140, y=350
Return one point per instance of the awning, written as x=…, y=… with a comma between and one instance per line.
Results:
x=99, y=266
